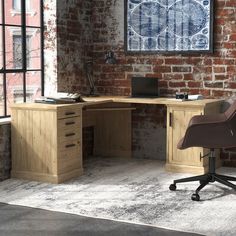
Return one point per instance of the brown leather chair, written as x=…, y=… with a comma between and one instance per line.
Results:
x=212, y=132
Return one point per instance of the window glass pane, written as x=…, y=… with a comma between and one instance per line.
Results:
x=13, y=12
x=1, y=49
x=33, y=85
x=33, y=47
x=14, y=89
x=17, y=51
x=1, y=96
x=16, y=5
x=11, y=39
x=13, y=47
x=33, y=13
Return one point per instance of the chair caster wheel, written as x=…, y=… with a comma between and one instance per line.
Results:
x=172, y=187
x=195, y=197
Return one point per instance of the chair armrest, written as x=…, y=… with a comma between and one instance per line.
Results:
x=208, y=132
x=207, y=119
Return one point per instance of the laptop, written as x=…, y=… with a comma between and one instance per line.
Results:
x=144, y=87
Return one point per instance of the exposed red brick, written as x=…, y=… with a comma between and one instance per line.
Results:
x=188, y=76
x=194, y=84
x=172, y=76
x=174, y=61
x=213, y=84
x=221, y=77
x=162, y=69
x=230, y=85
x=202, y=69
x=181, y=69
x=163, y=84
x=154, y=75
x=219, y=69
x=177, y=84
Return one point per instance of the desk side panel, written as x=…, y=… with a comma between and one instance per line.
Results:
x=34, y=142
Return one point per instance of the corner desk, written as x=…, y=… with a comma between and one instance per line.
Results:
x=47, y=138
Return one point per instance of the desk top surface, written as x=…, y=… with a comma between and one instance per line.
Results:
x=121, y=99
x=154, y=101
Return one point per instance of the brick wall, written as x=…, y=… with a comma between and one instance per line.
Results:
x=50, y=47
x=5, y=151
x=149, y=131
x=74, y=43
x=213, y=75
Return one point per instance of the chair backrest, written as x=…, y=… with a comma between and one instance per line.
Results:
x=230, y=113
x=227, y=103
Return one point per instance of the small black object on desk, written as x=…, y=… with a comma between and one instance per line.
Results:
x=180, y=95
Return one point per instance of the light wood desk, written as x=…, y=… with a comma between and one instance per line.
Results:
x=179, y=114
x=46, y=139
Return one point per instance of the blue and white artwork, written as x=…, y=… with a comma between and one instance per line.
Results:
x=169, y=25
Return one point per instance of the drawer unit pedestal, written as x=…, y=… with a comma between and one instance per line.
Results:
x=46, y=142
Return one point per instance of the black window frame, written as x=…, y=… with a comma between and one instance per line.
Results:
x=4, y=71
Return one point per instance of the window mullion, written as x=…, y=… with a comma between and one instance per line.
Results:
x=42, y=47
x=4, y=57
x=3, y=36
x=23, y=15
x=24, y=61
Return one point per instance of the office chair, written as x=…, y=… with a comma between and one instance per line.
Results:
x=212, y=132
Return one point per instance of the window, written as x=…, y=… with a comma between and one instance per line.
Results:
x=17, y=5
x=21, y=53
x=19, y=93
x=17, y=51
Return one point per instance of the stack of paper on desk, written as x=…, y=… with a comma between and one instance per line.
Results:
x=54, y=100
x=195, y=97
x=61, y=98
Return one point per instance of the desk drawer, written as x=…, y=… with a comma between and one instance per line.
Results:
x=69, y=124
x=69, y=157
x=68, y=136
x=66, y=165
x=68, y=111
x=68, y=148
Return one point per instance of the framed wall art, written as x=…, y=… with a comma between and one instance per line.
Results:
x=169, y=26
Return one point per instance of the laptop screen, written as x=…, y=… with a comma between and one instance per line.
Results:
x=144, y=87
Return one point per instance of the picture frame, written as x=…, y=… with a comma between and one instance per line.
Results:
x=168, y=26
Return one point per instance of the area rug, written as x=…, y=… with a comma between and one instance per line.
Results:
x=132, y=191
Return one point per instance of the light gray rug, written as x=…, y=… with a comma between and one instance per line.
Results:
x=132, y=191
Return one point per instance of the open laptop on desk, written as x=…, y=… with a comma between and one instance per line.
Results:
x=144, y=87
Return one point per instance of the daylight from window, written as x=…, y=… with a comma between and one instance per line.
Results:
x=20, y=52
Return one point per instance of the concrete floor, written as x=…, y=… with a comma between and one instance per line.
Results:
x=26, y=221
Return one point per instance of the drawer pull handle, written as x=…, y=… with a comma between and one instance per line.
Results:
x=70, y=134
x=69, y=113
x=70, y=145
x=70, y=123
x=170, y=119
